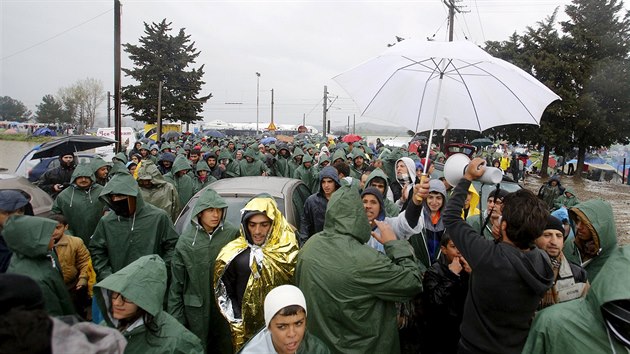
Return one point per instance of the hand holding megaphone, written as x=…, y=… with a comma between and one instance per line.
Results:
x=459, y=166
x=475, y=169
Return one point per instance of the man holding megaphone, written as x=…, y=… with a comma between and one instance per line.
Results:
x=510, y=275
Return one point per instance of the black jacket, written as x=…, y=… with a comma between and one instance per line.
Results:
x=312, y=220
x=59, y=175
x=505, y=289
x=443, y=306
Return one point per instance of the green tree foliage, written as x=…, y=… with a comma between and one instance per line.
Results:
x=166, y=58
x=50, y=111
x=13, y=110
x=599, y=31
x=587, y=66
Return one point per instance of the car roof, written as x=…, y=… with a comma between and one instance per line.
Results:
x=251, y=185
x=40, y=200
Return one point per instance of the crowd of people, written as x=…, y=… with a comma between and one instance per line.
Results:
x=388, y=258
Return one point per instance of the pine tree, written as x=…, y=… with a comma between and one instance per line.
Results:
x=166, y=58
x=50, y=111
x=600, y=85
x=13, y=110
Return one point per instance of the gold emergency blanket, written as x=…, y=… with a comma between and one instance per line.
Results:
x=279, y=256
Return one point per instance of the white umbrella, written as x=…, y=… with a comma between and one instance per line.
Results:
x=436, y=85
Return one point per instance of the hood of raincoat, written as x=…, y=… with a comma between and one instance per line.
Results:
x=203, y=166
x=143, y=282
x=148, y=170
x=167, y=156
x=250, y=152
x=377, y=173
x=569, y=190
x=225, y=154
x=272, y=264
x=600, y=214
x=97, y=163
x=411, y=168
x=83, y=170
x=554, y=178
x=338, y=154
x=345, y=215
x=122, y=183
x=307, y=158
x=612, y=283
x=209, y=199
x=297, y=152
x=122, y=157
x=329, y=172
x=29, y=235
x=181, y=163
x=474, y=201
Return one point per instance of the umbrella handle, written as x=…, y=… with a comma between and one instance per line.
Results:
x=423, y=179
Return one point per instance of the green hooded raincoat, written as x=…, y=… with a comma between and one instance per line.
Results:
x=600, y=214
x=183, y=183
x=81, y=207
x=163, y=195
x=143, y=282
x=577, y=326
x=191, y=296
x=351, y=288
x=28, y=237
x=118, y=240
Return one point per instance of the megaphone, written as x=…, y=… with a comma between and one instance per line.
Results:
x=456, y=164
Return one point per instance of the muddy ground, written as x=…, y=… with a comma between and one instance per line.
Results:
x=616, y=193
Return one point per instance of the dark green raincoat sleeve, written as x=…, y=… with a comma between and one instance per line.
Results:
x=100, y=254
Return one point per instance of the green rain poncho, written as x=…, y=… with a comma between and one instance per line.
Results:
x=81, y=207
x=292, y=164
x=197, y=183
x=232, y=168
x=143, y=282
x=163, y=195
x=307, y=175
x=183, y=183
x=600, y=214
x=28, y=237
x=577, y=326
x=350, y=288
x=120, y=240
x=191, y=298
x=254, y=168
x=567, y=199
x=391, y=209
x=282, y=164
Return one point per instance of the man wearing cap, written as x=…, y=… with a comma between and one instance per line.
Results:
x=55, y=180
x=12, y=202
x=80, y=204
x=570, y=280
x=285, y=326
x=261, y=258
x=490, y=216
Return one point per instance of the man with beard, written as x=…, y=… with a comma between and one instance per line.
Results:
x=215, y=168
x=131, y=230
x=405, y=179
x=55, y=180
x=100, y=168
x=80, y=203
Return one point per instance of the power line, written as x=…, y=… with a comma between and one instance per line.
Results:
x=483, y=34
x=56, y=35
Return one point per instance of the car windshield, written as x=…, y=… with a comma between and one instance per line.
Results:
x=235, y=204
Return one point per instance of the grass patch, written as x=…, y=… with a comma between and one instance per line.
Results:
x=25, y=137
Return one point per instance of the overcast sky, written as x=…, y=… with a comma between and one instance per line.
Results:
x=297, y=46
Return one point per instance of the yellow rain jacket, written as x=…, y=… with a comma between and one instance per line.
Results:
x=272, y=264
x=474, y=203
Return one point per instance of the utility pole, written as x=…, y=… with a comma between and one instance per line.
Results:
x=451, y=16
x=325, y=109
x=348, y=126
x=257, y=98
x=109, y=109
x=271, y=107
x=117, y=83
x=304, y=119
x=159, y=113
x=354, y=123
